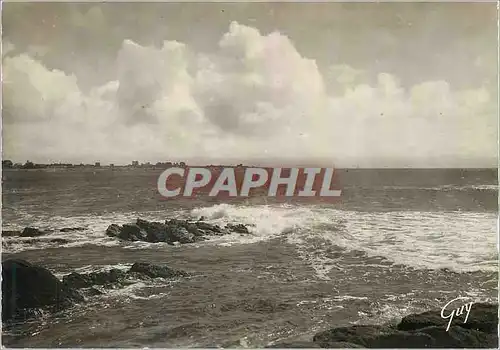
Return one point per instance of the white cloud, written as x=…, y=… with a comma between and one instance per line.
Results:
x=255, y=96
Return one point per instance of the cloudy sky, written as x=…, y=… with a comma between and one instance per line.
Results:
x=370, y=85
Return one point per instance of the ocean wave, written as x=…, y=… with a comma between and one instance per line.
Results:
x=460, y=241
x=454, y=240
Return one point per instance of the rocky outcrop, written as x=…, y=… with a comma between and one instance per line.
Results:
x=371, y=337
x=27, y=287
x=482, y=317
x=171, y=231
x=422, y=330
x=117, y=278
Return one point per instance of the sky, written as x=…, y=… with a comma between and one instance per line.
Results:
x=348, y=84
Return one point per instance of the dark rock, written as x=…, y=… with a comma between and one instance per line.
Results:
x=59, y=240
x=176, y=222
x=92, y=292
x=202, y=218
x=239, y=228
x=354, y=334
x=107, y=277
x=179, y=234
x=482, y=317
x=10, y=233
x=458, y=337
x=372, y=337
x=422, y=330
x=127, y=232
x=205, y=226
x=117, y=278
x=77, y=280
x=295, y=345
x=52, y=240
x=155, y=231
x=155, y=271
x=171, y=231
x=192, y=228
x=131, y=232
x=200, y=238
x=400, y=339
x=113, y=230
x=32, y=232
x=27, y=286
x=71, y=229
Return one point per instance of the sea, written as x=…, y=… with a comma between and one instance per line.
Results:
x=397, y=241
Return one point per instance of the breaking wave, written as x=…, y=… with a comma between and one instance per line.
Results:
x=461, y=241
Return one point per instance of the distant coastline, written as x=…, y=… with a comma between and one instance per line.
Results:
x=28, y=165
x=8, y=164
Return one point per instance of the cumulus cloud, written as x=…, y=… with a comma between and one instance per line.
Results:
x=254, y=96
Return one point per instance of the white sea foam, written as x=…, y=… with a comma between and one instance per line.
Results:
x=92, y=230
x=92, y=268
x=462, y=241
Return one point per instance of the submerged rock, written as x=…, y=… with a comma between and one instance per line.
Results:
x=117, y=278
x=59, y=241
x=71, y=229
x=239, y=228
x=39, y=240
x=155, y=271
x=78, y=280
x=113, y=230
x=27, y=286
x=32, y=232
